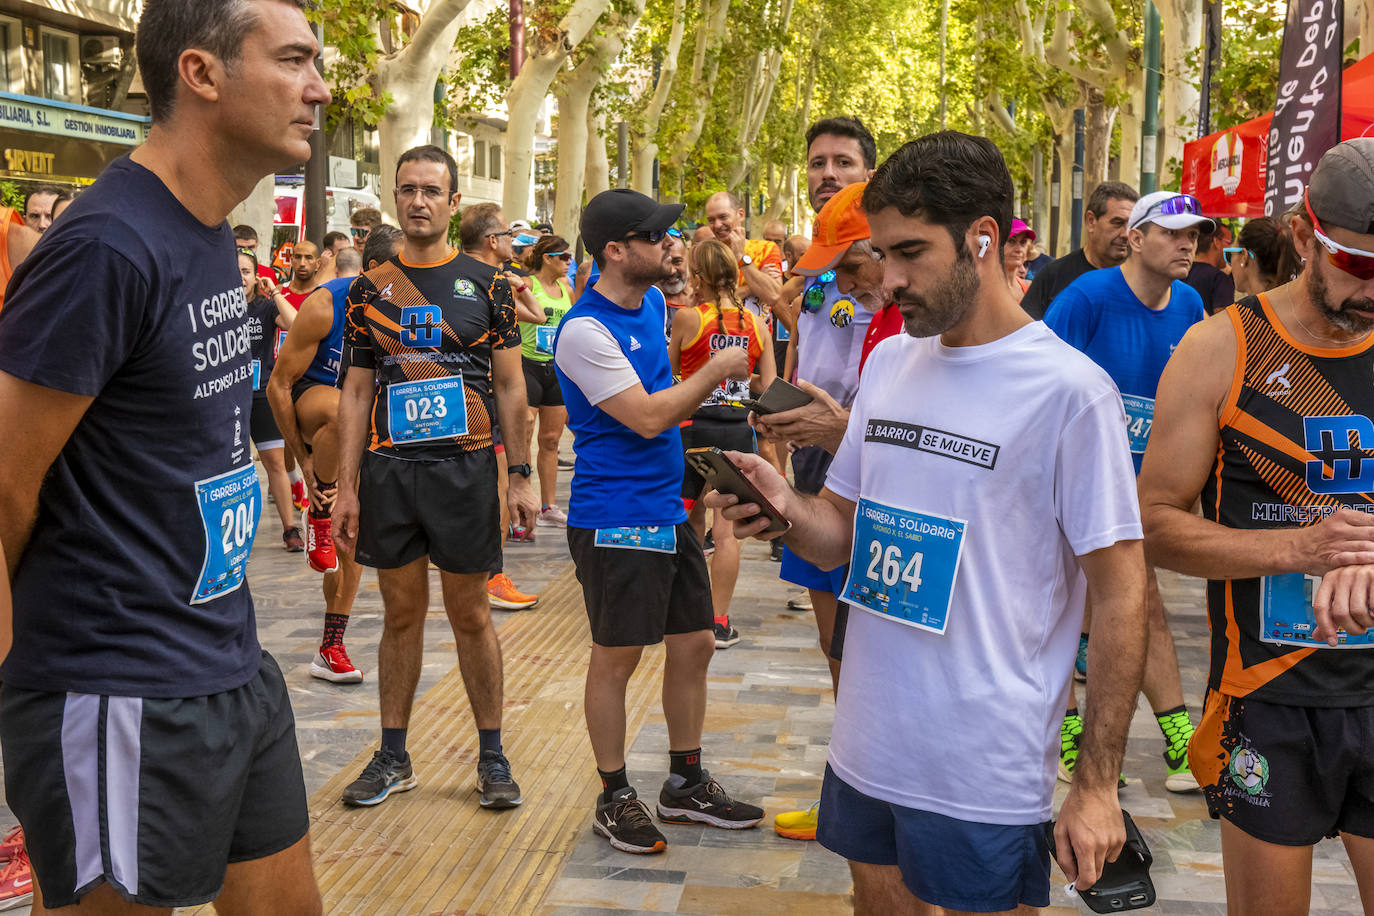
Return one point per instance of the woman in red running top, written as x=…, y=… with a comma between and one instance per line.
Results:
x=719, y=320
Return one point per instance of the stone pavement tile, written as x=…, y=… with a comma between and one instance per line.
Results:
x=609, y=894
x=734, y=901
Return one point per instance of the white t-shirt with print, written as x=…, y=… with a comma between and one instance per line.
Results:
x=966, y=724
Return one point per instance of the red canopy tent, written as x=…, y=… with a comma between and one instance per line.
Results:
x=1225, y=170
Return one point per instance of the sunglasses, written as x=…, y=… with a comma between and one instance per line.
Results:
x=653, y=237
x=1228, y=253
x=497, y=235
x=565, y=255
x=675, y=233
x=1357, y=263
x=1180, y=203
x=359, y=232
x=814, y=297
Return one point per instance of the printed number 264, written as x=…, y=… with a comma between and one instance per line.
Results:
x=892, y=569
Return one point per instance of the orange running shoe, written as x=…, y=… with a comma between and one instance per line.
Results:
x=12, y=844
x=506, y=596
x=16, y=882
x=298, y=495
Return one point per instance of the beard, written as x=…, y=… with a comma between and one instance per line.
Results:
x=673, y=284
x=944, y=306
x=1342, y=316
x=646, y=270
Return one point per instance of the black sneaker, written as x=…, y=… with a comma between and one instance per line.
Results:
x=494, y=783
x=384, y=774
x=626, y=823
x=708, y=546
x=704, y=803
x=775, y=550
x=726, y=635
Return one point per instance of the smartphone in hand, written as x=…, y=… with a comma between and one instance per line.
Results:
x=781, y=395
x=724, y=475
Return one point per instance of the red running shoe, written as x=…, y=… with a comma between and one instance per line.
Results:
x=16, y=882
x=298, y=495
x=12, y=843
x=319, y=544
x=331, y=664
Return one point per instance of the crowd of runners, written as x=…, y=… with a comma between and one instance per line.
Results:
x=987, y=453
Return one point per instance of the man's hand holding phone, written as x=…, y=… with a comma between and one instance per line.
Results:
x=746, y=517
x=821, y=422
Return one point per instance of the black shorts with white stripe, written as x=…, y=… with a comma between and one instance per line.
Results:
x=152, y=796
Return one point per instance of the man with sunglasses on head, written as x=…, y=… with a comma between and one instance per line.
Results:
x=640, y=564
x=1264, y=413
x=1128, y=320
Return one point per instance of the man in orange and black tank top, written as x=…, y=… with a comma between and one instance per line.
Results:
x=1264, y=412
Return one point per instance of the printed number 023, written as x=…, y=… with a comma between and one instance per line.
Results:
x=237, y=525
x=425, y=409
x=892, y=570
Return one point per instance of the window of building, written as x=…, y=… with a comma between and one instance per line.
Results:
x=494, y=171
x=11, y=55
x=479, y=158
x=61, y=79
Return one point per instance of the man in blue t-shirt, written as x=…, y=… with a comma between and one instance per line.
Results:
x=129, y=500
x=640, y=564
x=1129, y=319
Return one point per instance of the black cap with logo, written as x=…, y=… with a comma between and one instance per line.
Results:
x=1341, y=190
x=612, y=215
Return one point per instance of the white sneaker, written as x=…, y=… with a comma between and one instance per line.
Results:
x=552, y=517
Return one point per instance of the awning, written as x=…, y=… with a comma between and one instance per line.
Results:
x=1225, y=170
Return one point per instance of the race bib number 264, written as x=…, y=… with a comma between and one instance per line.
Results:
x=904, y=564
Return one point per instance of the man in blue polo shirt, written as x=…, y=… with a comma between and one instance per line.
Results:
x=641, y=566
x=1128, y=320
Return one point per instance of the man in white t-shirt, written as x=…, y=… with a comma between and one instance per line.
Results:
x=983, y=485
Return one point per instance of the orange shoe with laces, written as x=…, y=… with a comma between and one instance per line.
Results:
x=506, y=596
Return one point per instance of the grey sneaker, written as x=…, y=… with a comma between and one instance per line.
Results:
x=494, y=783
x=625, y=821
x=384, y=774
x=704, y=803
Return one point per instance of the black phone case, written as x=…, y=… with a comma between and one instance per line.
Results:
x=720, y=472
x=1125, y=884
x=781, y=395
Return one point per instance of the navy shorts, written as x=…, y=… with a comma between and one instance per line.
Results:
x=960, y=865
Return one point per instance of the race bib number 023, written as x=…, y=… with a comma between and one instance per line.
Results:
x=904, y=564
x=426, y=410
x=229, y=510
x=1286, y=616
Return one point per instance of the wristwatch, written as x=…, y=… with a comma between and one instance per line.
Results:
x=746, y=261
x=522, y=469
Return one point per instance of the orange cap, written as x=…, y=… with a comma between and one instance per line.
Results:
x=840, y=224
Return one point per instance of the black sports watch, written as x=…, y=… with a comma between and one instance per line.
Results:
x=522, y=469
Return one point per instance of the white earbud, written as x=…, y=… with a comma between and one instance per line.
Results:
x=983, y=242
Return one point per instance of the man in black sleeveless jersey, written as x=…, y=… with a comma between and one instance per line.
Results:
x=1264, y=413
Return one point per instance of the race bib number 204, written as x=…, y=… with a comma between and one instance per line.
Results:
x=229, y=510
x=904, y=564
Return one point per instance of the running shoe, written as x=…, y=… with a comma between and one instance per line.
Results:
x=504, y=595
x=1080, y=664
x=798, y=825
x=775, y=550
x=291, y=540
x=704, y=803
x=12, y=844
x=726, y=635
x=496, y=787
x=564, y=464
x=552, y=517
x=298, y=497
x=708, y=546
x=319, y=544
x=800, y=601
x=1178, y=731
x=625, y=821
x=1070, y=734
x=384, y=774
x=332, y=664
x=16, y=882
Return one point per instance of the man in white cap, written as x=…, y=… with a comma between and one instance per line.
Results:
x=1128, y=320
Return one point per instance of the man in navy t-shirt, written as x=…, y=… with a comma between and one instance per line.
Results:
x=130, y=499
x=641, y=566
x=1129, y=319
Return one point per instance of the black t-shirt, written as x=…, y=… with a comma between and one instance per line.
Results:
x=262, y=340
x=428, y=332
x=1216, y=287
x=1051, y=280
x=133, y=582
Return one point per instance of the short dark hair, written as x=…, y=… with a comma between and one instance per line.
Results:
x=545, y=245
x=169, y=27
x=57, y=193
x=382, y=243
x=370, y=217
x=1107, y=192
x=245, y=233
x=477, y=221
x=1272, y=244
x=846, y=126
x=331, y=237
x=431, y=153
x=946, y=178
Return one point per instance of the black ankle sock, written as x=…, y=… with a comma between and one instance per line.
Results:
x=1071, y=712
x=612, y=783
x=489, y=739
x=686, y=764
x=395, y=740
x=1161, y=714
x=334, y=626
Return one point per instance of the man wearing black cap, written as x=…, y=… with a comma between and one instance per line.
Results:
x=1264, y=411
x=641, y=566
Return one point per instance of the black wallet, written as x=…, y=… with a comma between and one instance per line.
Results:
x=1125, y=884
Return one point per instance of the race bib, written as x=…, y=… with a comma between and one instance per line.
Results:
x=729, y=393
x=904, y=564
x=1140, y=416
x=281, y=339
x=1287, y=619
x=257, y=373
x=426, y=410
x=229, y=512
x=656, y=538
x=543, y=339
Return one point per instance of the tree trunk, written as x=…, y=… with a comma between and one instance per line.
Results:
x=705, y=65
x=644, y=142
x=1064, y=150
x=598, y=163
x=1040, y=201
x=1097, y=139
x=1181, y=22
x=1130, y=117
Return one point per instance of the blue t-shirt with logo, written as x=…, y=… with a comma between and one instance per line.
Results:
x=1099, y=314
x=133, y=580
x=622, y=479
x=324, y=368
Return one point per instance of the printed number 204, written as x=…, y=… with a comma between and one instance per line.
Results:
x=426, y=409
x=892, y=569
x=237, y=525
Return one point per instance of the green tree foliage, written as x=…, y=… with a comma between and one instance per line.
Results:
x=1245, y=84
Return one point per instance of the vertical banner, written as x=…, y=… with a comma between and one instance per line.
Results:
x=1307, y=114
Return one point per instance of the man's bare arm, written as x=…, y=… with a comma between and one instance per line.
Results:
x=650, y=414
x=508, y=386
x=312, y=325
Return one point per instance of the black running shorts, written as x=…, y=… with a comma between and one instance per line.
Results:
x=448, y=509
x=636, y=597
x=152, y=796
x=1287, y=775
x=726, y=435
x=303, y=385
x=262, y=426
x=541, y=383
